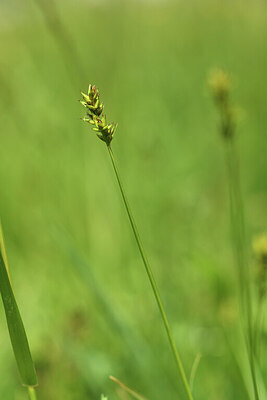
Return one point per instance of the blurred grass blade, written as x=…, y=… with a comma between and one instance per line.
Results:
x=3, y=249
x=132, y=392
x=194, y=370
x=239, y=356
x=15, y=325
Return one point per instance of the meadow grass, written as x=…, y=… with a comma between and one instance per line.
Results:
x=164, y=51
x=221, y=85
x=15, y=325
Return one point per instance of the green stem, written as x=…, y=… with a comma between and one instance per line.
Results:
x=238, y=232
x=152, y=281
x=194, y=370
x=32, y=393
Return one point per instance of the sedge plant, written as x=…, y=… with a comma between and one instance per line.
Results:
x=220, y=86
x=105, y=132
x=15, y=325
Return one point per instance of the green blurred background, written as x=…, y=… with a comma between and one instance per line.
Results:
x=79, y=280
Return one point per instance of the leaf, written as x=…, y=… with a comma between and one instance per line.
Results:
x=132, y=392
x=15, y=325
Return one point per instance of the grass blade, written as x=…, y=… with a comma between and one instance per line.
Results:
x=132, y=392
x=194, y=370
x=15, y=325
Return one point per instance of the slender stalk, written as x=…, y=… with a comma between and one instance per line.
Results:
x=132, y=392
x=152, y=281
x=238, y=232
x=194, y=370
x=32, y=393
x=220, y=85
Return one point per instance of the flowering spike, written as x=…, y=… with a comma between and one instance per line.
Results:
x=91, y=102
x=85, y=97
x=220, y=86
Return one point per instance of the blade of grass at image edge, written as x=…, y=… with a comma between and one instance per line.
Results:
x=15, y=325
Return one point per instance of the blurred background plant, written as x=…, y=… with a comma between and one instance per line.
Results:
x=87, y=308
x=260, y=262
x=221, y=90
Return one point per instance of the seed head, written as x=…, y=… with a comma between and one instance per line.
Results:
x=260, y=247
x=91, y=101
x=219, y=83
